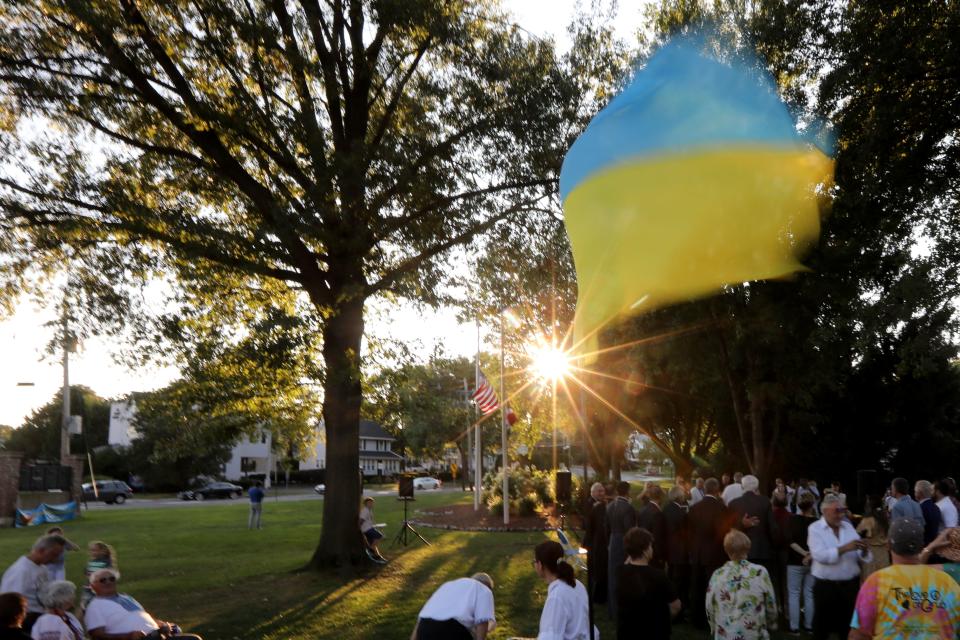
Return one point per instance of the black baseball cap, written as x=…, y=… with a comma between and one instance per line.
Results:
x=906, y=537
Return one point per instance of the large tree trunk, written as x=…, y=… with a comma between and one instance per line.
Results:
x=340, y=543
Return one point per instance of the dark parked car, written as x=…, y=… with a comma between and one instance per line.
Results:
x=109, y=491
x=213, y=490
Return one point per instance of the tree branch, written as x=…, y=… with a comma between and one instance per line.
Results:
x=394, y=224
x=414, y=262
x=314, y=15
x=391, y=109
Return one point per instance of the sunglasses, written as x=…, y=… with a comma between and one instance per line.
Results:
x=107, y=579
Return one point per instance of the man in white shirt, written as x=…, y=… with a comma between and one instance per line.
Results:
x=461, y=608
x=116, y=616
x=733, y=490
x=836, y=551
x=948, y=510
x=696, y=493
x=28, y=575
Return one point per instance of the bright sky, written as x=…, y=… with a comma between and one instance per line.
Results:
x=24, y=336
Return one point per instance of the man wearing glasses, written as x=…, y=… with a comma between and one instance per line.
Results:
x=837, y=552
x=116, y=616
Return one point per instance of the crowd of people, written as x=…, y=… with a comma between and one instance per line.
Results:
x=36, y=602
x=737, y=562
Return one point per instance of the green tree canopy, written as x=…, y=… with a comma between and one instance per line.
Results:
x=338, y=148
x=39, y=435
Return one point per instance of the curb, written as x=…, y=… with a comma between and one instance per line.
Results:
x=450, y=527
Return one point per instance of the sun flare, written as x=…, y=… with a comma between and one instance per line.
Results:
x=548, y=363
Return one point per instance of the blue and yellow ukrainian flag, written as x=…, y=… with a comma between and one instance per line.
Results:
x=694, y=177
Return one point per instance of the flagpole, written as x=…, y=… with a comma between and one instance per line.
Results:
x=503, y=431
x=467, y=458
x=478, y=463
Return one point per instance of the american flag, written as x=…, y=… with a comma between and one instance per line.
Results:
x=485, y=397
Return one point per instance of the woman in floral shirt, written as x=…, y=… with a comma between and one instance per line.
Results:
x=740, y=600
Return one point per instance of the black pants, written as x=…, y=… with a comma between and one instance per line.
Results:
x=775, y=572
x=429, y=629
x=833, y=604
x=156, y=635
x=680, y=575
x=701, y=579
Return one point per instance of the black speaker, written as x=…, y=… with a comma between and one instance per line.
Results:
x=405, y=486
x=563, y=487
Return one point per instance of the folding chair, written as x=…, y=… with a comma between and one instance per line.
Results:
x=576, y=554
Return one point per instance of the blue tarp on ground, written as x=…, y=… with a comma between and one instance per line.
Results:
x=46, y=513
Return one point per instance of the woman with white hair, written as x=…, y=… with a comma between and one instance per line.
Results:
x=740, y=601
x=58, y=623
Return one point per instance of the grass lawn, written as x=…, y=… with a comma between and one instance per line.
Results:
x=202, y=568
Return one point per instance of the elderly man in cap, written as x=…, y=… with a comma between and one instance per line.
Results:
x=459, y=609
x=907, y=599
x=28, y=575
x=112, y=615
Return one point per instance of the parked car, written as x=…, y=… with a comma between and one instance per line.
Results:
x=109, y=491
x=212, y=490
x=426, y=483
x=320, y=488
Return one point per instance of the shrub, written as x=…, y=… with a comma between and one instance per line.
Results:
x=308, y=476
x=495, y=505
x=533, y=486
x=528, y=504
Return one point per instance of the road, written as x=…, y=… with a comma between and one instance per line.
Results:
x=284, y=495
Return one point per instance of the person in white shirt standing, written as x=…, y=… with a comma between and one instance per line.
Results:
x=696, y=493
x=733, y=490
x=459, y=609
x=566, y=613
x=28, y=575
x=837, y=552
x=942, y=492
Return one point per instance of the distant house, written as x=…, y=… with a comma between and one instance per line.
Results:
x=251, y=454
x=376, y=454
x=254, y=454
x=122, y=432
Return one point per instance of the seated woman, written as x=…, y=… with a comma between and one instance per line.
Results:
x=369, y=531
x=57, y=623
x=566, y=612
x=13, y=610
x=740, y=600
x=646, y=600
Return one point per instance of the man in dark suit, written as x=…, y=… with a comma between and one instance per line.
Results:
x=709, y=522
x=595, y=542
x=753, y=514
x=678, y=546
x=932, y=518
x=650, y=517
x=621, y=517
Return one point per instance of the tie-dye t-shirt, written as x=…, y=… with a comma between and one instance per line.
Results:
x=909, y=602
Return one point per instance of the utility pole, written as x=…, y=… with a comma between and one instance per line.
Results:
x=65, y=421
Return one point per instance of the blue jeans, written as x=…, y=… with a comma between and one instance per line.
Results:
x=799, y=578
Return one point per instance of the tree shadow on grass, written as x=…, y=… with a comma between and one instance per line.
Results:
x=379, y=605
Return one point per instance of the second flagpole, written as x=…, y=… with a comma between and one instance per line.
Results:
x=477, y=442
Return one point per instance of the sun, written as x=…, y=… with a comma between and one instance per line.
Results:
x=548, y=363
